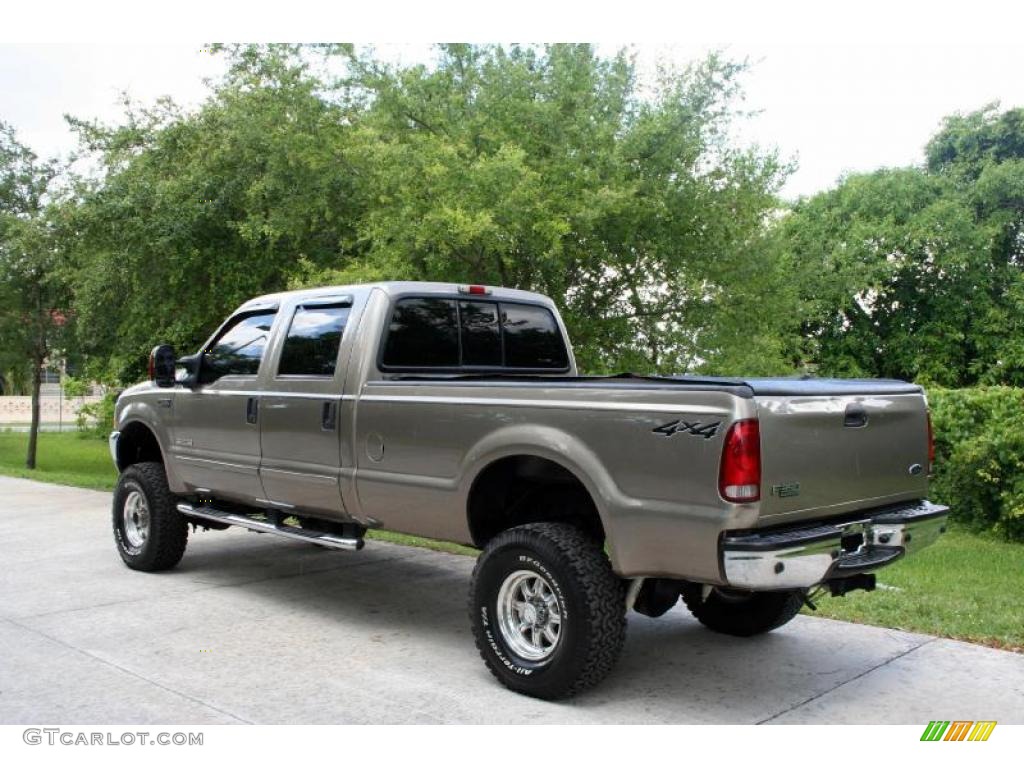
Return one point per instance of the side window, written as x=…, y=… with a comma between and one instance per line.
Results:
x=239, y=349
x=532, y=338
x=311, y=346
x=423, y=334
x=481, y=334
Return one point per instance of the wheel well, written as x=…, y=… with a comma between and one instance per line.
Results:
x=528, y=489
x=137, y=443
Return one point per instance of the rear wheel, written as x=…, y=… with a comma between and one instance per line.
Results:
x=742, y=614
x=150, y=532
x=547, y=611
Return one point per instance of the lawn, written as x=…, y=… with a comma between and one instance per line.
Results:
x=68, y=458
x=967, y=586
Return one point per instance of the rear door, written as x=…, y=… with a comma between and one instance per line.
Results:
x=301, y=409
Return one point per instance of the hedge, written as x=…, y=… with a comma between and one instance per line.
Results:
x=979, y=446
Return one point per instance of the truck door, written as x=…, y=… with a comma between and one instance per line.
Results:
x=216, y=440
x=301, y=410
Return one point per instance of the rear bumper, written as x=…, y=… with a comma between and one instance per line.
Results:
x=802, y=557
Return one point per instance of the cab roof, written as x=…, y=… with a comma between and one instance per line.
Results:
x=394, y=289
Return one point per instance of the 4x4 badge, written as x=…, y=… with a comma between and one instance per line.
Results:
x=707, y=431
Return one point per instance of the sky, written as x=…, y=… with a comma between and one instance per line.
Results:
x=836, y=93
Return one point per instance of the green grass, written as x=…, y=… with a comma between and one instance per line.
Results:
x=67, y=458
x=966, y=586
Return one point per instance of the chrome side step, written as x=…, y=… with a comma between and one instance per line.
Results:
x=261, y=526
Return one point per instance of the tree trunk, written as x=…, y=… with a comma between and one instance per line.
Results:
x=33, y=430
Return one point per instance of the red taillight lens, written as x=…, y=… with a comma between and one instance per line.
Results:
x=739, y=479
x=152, y=367
x=931, y=445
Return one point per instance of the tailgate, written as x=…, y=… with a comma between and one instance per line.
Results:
x=830, y=454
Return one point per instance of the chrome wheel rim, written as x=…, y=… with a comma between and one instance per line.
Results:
x=135, y=517
x=529, y=615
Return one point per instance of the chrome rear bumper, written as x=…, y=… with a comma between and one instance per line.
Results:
x=803, y=557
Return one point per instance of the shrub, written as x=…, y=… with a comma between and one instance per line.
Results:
x=97, y=419
x=979, y=445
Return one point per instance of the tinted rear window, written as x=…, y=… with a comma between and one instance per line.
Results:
x=423, y=334
x=311, y=346
x=481, y=334
x=444, y=333
x=532, y=339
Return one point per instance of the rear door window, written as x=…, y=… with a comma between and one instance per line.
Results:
x=314, y=337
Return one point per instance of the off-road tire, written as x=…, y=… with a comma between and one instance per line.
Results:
x=167, y=531
x=591, y=599
x=742, y=615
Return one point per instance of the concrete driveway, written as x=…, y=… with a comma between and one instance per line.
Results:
x=255, y=629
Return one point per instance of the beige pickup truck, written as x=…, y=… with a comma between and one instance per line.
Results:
x=456, y=412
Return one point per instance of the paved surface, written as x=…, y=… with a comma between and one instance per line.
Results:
x=255, y=629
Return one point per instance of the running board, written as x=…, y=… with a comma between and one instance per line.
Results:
x=261, y=526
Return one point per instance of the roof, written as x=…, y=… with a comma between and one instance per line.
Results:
x=392, y=288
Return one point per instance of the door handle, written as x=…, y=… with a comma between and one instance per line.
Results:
x=329, y=415
x=252, y=409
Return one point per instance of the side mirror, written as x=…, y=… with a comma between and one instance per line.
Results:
x=190, y=365
x=161, y=365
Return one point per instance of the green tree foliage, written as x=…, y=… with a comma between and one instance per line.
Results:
x=916, y=273
x=550, y=169
x=34, y=298
x=197, y=212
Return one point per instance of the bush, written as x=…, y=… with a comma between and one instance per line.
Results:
x=97, y=419
x=979, y=445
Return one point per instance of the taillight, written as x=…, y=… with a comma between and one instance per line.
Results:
x=739, y=479
x=931, y=445
x=152, y=366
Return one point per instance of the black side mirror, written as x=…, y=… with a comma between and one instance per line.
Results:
x=161, y=365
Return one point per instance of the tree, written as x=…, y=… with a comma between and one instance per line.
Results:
x=197, y=212
x=33, y=294
x=551, y=169
x=916, y=272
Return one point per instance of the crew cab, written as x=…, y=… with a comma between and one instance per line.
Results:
x=457, y=413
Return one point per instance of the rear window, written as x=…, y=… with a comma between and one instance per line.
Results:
x=532, y=338
x=449, y=333
x=311, y=346
x=423, y=333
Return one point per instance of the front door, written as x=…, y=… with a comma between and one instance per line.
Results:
x=301, y=412
x=216, y=441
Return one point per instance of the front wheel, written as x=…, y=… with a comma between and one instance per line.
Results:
x=150, y=532
x=548, y=613
x=742, y=614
